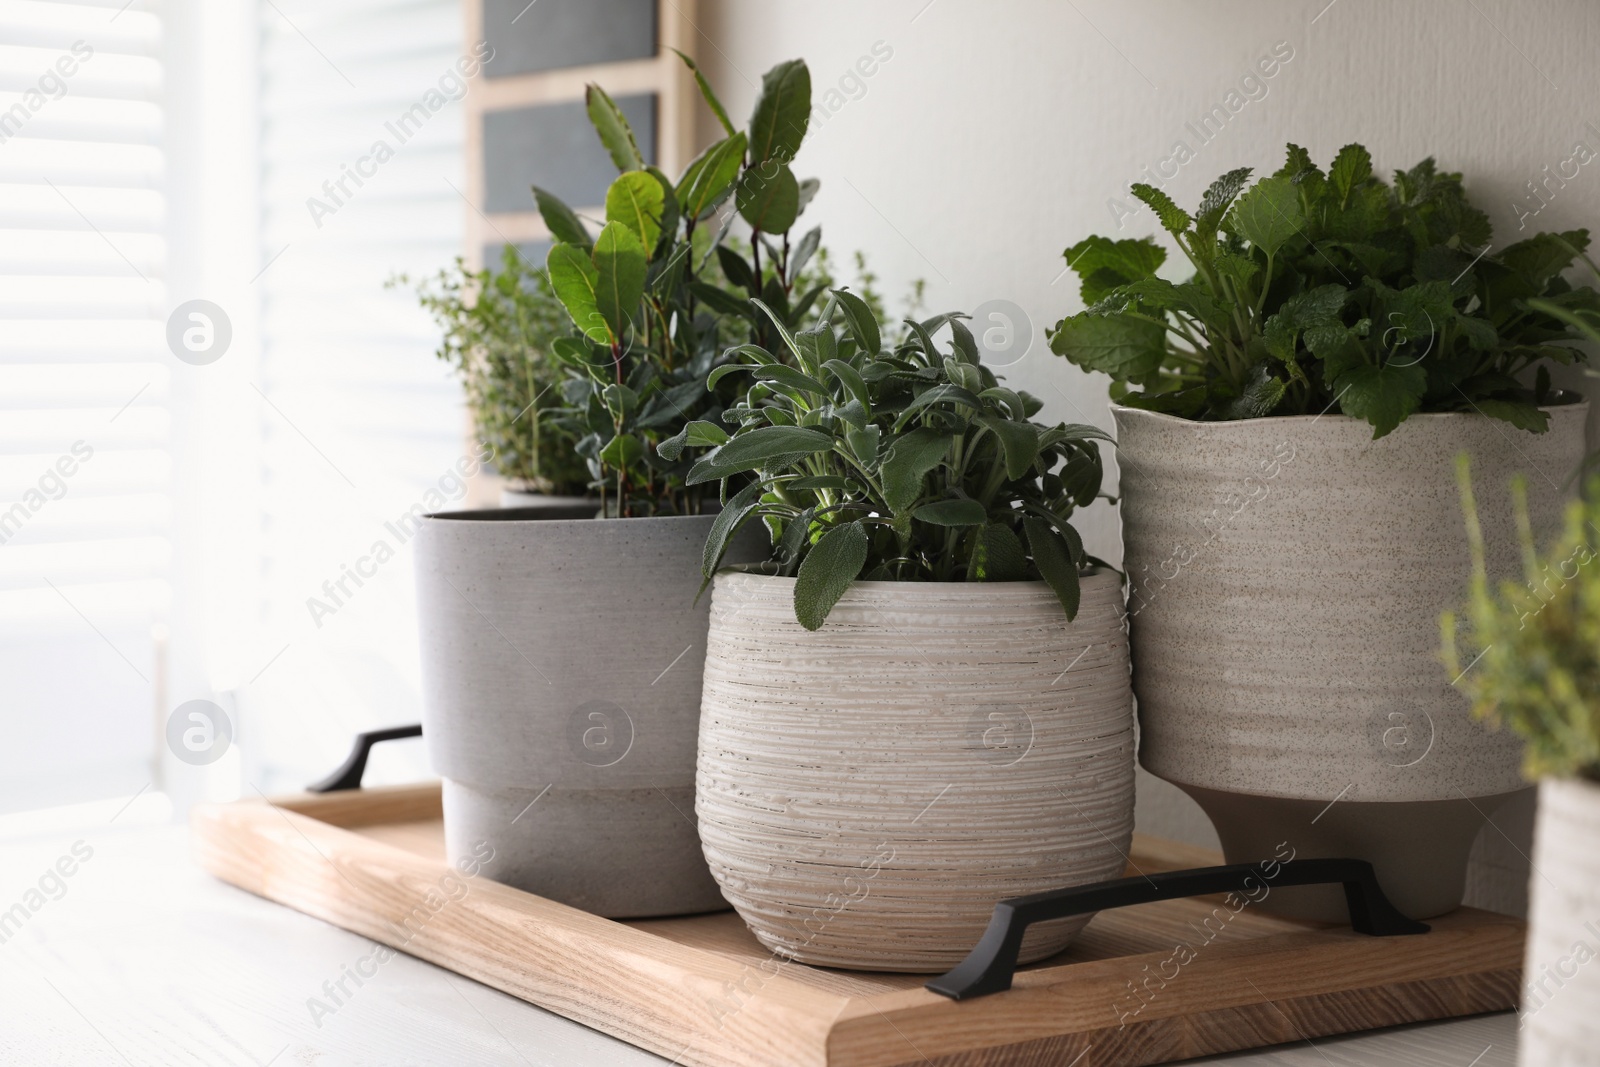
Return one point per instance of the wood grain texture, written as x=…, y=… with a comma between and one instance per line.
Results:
x=701, y=989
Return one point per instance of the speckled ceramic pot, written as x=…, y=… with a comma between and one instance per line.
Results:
x=1287, y=576
x=1561, y=976
x=561, y=661
x=868, y=791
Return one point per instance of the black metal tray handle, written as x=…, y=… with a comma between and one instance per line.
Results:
x=348, y=776
x=990, y=966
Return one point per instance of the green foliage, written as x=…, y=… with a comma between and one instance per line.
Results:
x=1314, y=290
x=892, y=461
x=498, y=330
x=662, y=291
x=1536, y=642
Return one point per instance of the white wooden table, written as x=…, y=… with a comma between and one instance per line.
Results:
x=140, y=958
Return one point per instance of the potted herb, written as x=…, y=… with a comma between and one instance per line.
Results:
x=918, y=704
x=498, y=326
x=1287, y=422
x=1528, y=657
x=563, y=653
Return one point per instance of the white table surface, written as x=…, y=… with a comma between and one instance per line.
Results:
x=146, y=960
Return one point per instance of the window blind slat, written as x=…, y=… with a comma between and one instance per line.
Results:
x=85, y=466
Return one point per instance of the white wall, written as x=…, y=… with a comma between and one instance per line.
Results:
x=997, y=132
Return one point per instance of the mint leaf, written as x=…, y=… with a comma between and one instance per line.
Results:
x=1268, y=215
x=1104, y=264
x=1261, y=395
x=1173, y=218
x=1522, y=415
x=1298, y=161
x=1384, y=396
x=1214, y=204
x=1119, y=345
x=1351, y=167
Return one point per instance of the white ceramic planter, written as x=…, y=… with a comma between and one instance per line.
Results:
x=868, y=791
x=1287, y=576
x=1561, y=976
x=561, y=659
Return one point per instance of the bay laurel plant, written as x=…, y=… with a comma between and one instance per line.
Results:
x=1317, y=289
x=898, y=462
x=1528, y=653
x=498, y=328
x=659, y=292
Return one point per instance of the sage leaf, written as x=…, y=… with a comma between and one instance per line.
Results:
x=908, y=462
x=965, y=512
x=997, y=556
x=863, y=324
x=1055, y=564
x=1019, y=439
x=827, y=571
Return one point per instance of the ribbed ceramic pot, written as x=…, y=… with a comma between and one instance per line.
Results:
x=868, y=791
x=1286, y=581
x=1561, y=975
x=561, y=662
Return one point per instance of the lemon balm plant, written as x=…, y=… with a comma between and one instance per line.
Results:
x=1289, y=415
x=906, y=464
x=1316, y=290
x=926, y=623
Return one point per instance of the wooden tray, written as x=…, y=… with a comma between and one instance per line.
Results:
x=700, y=990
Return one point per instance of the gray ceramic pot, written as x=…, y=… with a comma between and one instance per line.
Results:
x=1287, y=576
x=562, y=658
